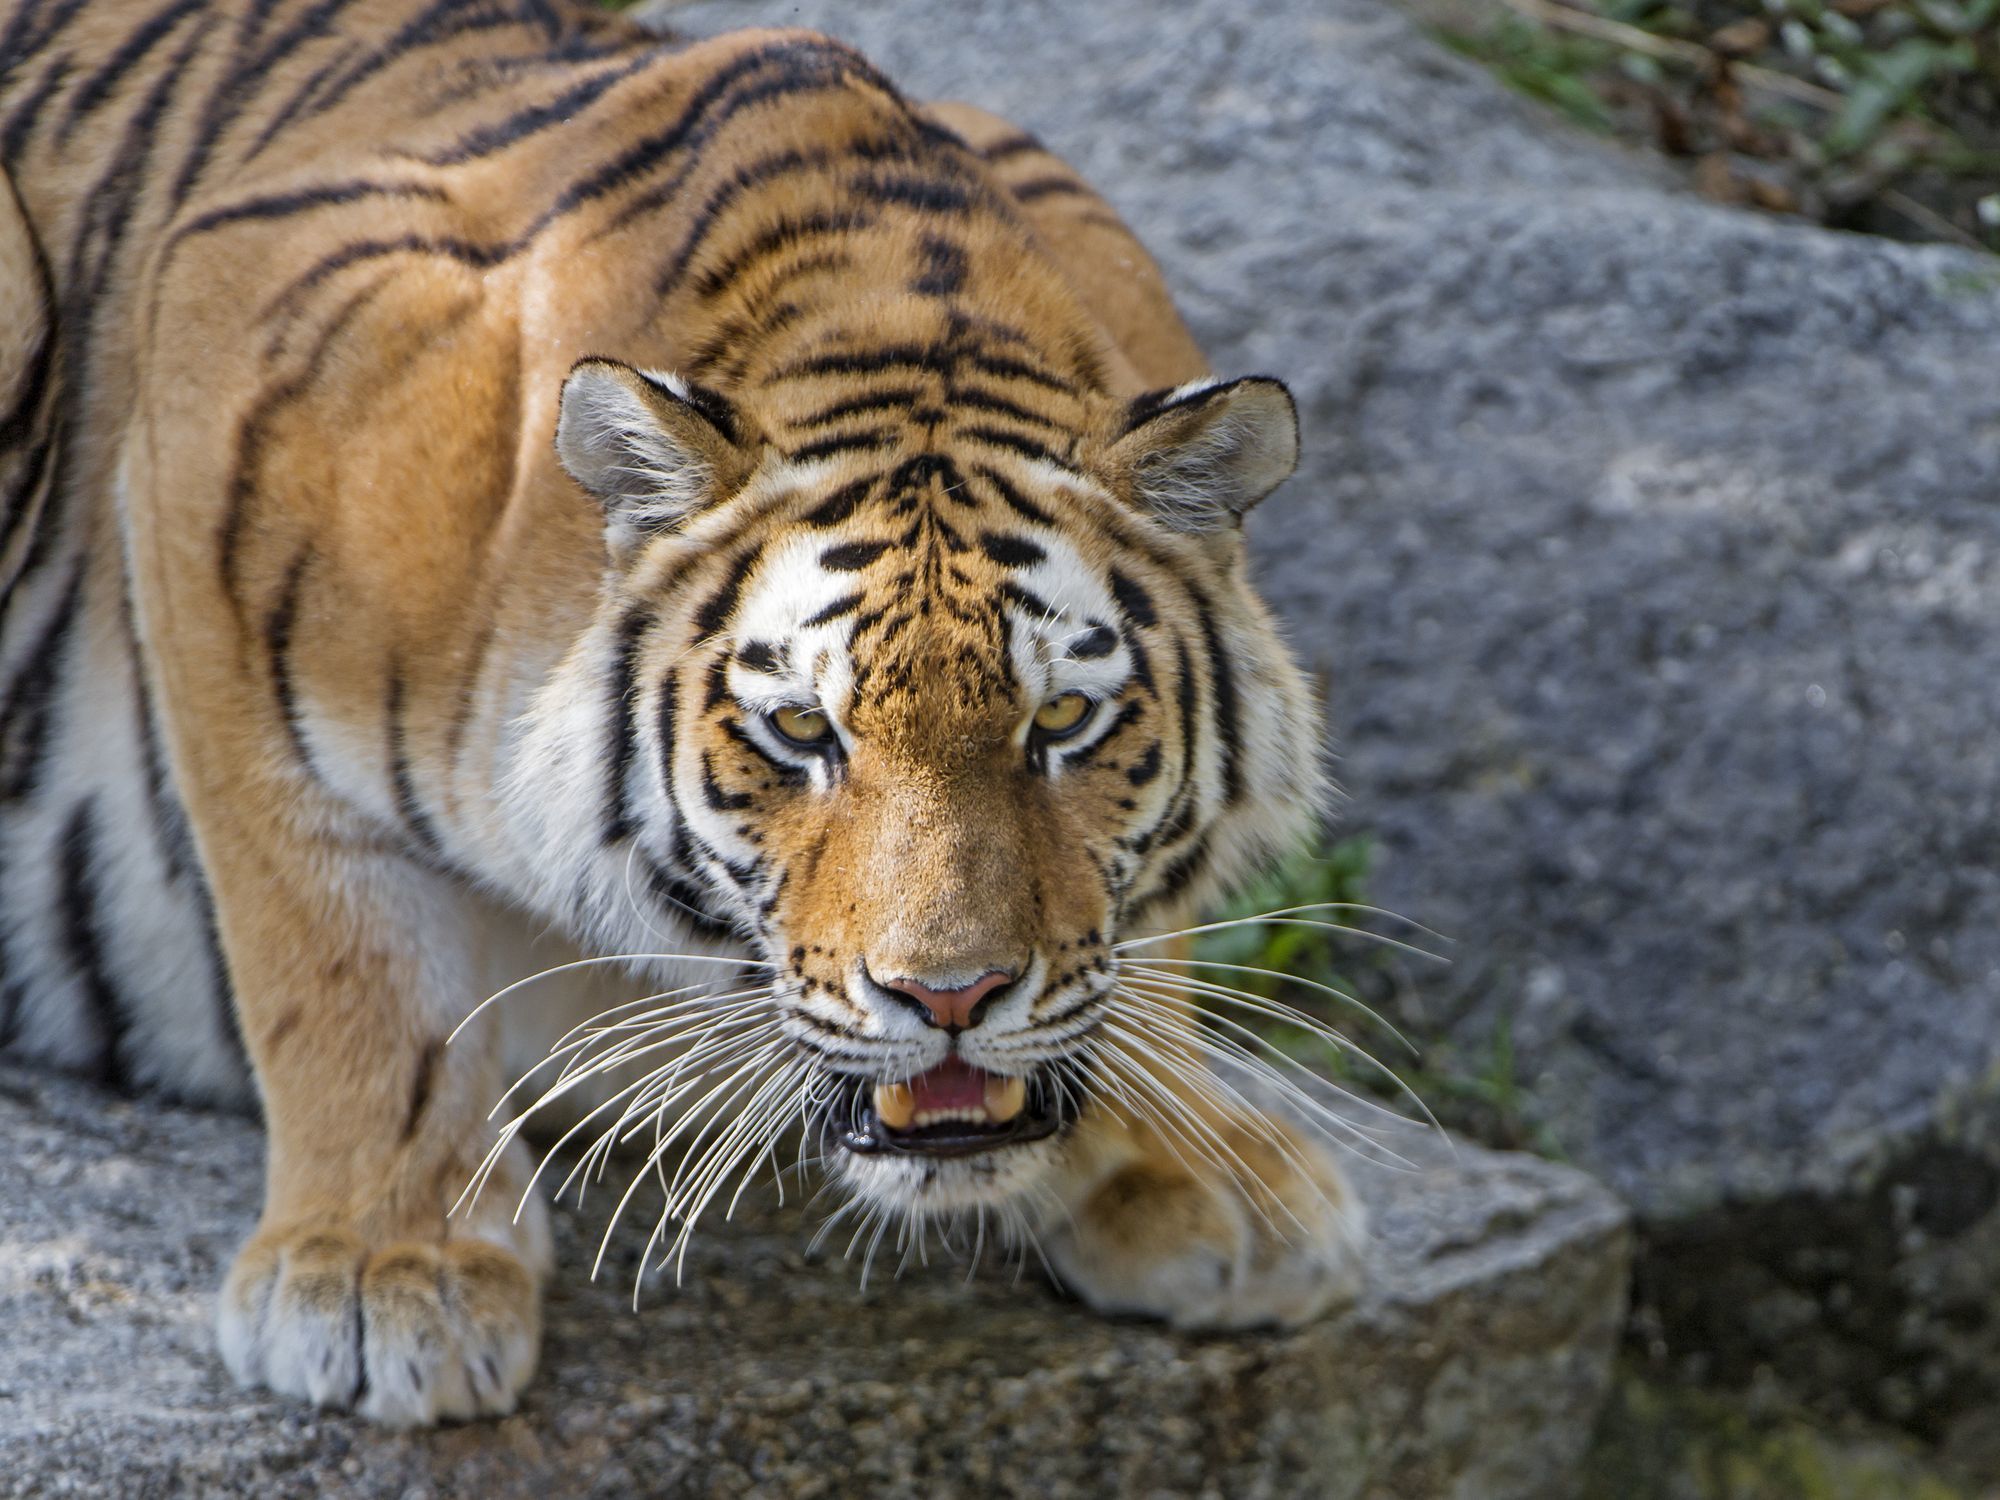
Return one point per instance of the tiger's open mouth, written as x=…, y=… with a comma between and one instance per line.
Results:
x=954, y=1109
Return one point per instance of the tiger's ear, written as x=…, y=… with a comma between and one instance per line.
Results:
x=652, y=448
x=1198, y=457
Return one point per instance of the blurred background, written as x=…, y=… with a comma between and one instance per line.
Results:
x=1649, y=355
x=1875, y=115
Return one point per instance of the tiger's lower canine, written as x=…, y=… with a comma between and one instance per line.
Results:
x=472, y=470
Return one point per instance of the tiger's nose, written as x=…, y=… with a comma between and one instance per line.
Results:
x=954, y=1010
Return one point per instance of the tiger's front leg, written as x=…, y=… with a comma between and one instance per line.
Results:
x=1203, y=1210
x=359, y=1289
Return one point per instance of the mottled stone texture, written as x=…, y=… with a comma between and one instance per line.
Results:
x=1651, y=552
x=1473, y=1368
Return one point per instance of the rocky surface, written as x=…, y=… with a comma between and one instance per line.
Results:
x=1473, y=1367
x=1651, y=552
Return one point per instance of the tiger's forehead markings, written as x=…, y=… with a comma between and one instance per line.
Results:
x=923, y=567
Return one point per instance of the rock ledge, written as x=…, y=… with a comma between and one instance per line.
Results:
x=1474, y=1367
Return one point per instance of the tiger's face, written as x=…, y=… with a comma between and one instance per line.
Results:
x=933, y=726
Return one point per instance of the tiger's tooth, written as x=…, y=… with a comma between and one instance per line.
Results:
x=895, y=1105
x=1005, y=1096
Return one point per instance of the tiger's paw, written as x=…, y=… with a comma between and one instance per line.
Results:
x=408, y=1333
x=1276, y=1246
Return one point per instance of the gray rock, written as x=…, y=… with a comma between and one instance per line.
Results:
x=1652, y=553
x=1473, y=1368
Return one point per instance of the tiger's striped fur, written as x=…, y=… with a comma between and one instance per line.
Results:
x=334, y=668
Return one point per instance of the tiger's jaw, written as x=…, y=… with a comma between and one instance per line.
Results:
x=953, y=1137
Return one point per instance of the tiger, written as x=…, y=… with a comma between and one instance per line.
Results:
x=487, y=490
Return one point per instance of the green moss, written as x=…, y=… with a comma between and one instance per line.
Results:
x=1559, y=70
x=1658, y=1441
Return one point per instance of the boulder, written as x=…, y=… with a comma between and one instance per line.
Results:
x=1473, y=1367
x=1651, y=553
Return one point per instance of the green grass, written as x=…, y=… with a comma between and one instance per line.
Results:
x=1473, y=1087
x=1558, y=70
x=1879, y=115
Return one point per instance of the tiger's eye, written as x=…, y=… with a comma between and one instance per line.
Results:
x=1062, y=715
x=802, y=726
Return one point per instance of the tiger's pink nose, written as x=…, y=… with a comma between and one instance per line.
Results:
x=955, y=1010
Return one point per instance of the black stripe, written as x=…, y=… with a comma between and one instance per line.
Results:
x=1146, y=767
x=927, y=357
x=1011, y=145
x=838, y=506
x=1010, y=551
x=31, y=111
x=23, y=41
x=1100, y=640
x=672, y=890
x=100, y=85
x=718, y=684
x=946, y=266
x=713, y=406
x=710, y=215
x=713, y=794
x=25, y=510
x=1179, y=875
x=1015, y=501
x=854, y=406
x=773, y=240
x=851, y=557
x=846, y=604
x=1027, y=447
x=108, y=209
x=290, y=110
x=450, y=247
x=239, y=85
x=83, y=942
x=1128, y=715
x=27, y=712
x=867, y=440
x=1045, y=187
x=982, y=400
x=250, y=436
x=408, y=807
x=227, y=1026
x=1133, y=601
x=443, y=21
x=1222, y=683
x=486, y=140
x=421, y=1087
x=21, y=420
x=808, y=67
x=279, y=626
x=618, y=820
x=1002, y=368
x=930, y=194
x=758, y=656
x=170, y=829
x=716, y=610
x=303, y=200
x=1028, y=599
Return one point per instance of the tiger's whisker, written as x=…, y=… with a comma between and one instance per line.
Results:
x=604, y=958
x=1278, y=921
x=1175, y=985
x=1311, y=984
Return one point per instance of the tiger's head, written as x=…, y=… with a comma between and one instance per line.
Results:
x=931, y=694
